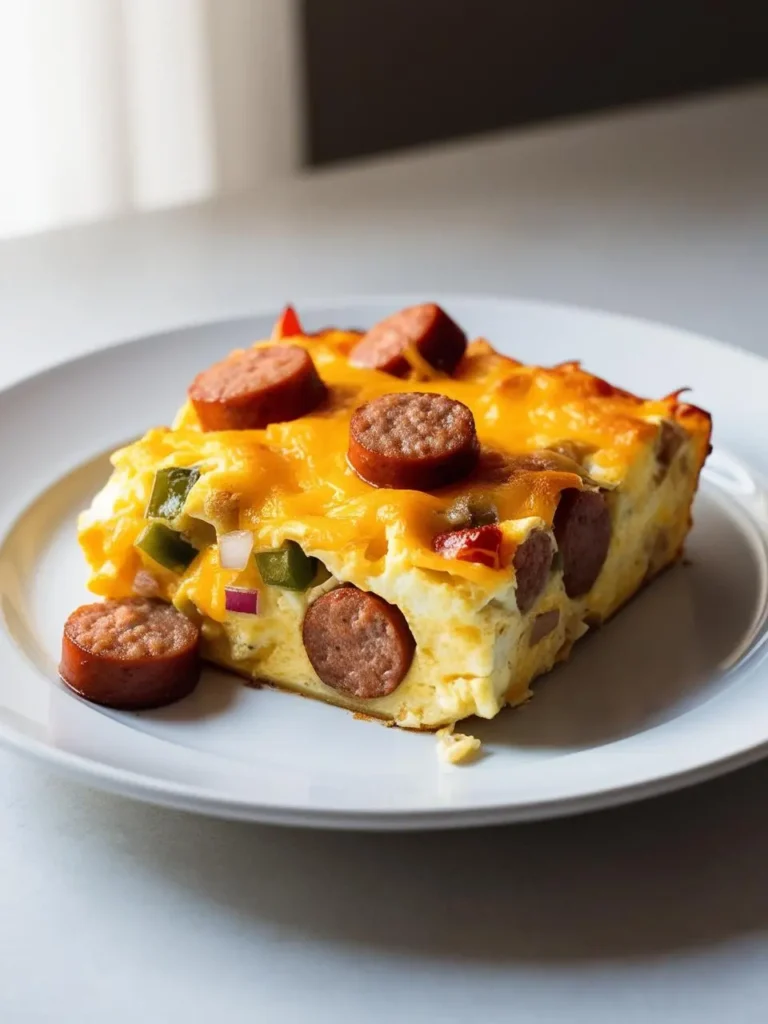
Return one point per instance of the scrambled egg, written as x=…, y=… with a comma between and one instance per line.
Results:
x=291, y=481
x=456, y=747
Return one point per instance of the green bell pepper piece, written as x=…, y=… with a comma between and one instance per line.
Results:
x=166, y=546
x=471, y=510
x=287, y=567
x=170, y=491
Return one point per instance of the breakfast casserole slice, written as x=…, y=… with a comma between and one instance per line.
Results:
x=399, y=523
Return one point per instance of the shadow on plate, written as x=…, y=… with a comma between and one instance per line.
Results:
x=215, y=694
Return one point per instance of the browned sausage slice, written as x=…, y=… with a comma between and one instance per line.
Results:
x=543, y=625
x=412, y=440
x=251, y=389
x=358, y=643
x=428, y=328
x=130, y=654
x=670, y=439
x=532, y=562
x=583, y=532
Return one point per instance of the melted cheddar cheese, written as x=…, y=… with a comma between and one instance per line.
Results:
x=292, y=481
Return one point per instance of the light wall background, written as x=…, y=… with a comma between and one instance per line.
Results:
x=111, y=106
x=108, y=106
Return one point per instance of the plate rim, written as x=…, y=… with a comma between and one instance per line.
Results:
x=146, y=789
x=168, y=793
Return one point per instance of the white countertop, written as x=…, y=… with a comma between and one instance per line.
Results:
x=115, y=911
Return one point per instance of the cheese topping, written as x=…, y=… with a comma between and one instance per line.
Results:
x=292, y=480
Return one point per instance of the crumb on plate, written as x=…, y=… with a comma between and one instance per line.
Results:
x=456, y=747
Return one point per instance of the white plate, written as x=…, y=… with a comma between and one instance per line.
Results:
x=672, y=691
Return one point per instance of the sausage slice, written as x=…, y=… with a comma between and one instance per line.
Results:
x=428, y=328
x=358, y=643
x=412, y=440
x=532, y=562
x=130, y=654
x=251, y=389
x=543, y=625
x=670, y=440
x=583, y=533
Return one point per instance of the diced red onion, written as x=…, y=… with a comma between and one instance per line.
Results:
x=235, y=549
x=241, y=599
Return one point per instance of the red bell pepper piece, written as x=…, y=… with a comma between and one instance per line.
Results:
x=287, y=325
x=480, y=544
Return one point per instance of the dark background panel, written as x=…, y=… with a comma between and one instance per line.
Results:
x=385, y=74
